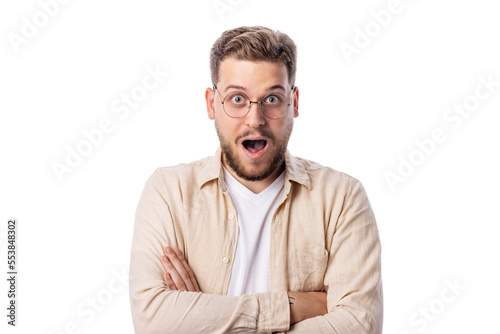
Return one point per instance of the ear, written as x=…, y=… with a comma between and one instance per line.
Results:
x=209, y=97
x=295, y=101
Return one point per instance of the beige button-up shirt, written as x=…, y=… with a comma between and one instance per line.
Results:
x=323, y=238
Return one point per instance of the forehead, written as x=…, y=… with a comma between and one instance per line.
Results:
x=252, y=75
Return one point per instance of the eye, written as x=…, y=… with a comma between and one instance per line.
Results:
x=237, y=99
x=273, y=99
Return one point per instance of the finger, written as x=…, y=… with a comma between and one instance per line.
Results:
x=164, y=264
x=180, y=276
x=167, y=278
x=174, y=275
x=170, y=282
x=188, y=269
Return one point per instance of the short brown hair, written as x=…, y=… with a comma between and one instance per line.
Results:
x=254, y=44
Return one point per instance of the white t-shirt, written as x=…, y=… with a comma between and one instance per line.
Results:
x=251, y=271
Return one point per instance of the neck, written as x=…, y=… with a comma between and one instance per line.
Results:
x=257, y=186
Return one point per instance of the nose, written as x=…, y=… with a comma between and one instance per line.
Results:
x=255, y=117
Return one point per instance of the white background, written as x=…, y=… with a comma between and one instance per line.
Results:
x=440, y=225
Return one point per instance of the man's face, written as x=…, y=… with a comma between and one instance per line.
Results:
x=253, y=146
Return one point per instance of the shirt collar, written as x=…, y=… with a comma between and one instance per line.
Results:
x=295, y=170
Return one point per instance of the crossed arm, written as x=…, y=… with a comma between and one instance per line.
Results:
x=168, y=304
x=179, y=276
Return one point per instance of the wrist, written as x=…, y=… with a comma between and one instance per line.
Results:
x=291, y=301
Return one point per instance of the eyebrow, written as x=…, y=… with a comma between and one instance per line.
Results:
x=235, y=87
x=278, y=86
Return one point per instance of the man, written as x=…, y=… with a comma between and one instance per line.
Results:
x=254, y=239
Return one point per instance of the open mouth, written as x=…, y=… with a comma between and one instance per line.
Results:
x=254, y=146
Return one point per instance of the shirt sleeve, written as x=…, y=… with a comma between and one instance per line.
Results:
x=157, y=309
x=353, y=276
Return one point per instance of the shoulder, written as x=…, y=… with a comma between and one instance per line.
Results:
x=182, y=170
x=333, y=190
x=321, y=176
x=184, y=174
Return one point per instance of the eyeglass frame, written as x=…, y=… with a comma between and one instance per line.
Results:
x=250, y=104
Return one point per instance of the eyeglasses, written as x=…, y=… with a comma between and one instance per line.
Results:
x=237, y=104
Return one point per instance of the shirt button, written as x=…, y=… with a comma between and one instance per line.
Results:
x=225, y=259
x=231, y=216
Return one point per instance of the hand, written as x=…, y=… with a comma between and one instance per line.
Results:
x=179, y=275
x=305, y=305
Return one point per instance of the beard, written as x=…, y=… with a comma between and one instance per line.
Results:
x=252, y=172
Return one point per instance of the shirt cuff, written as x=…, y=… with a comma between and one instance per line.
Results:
x=274, y=312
